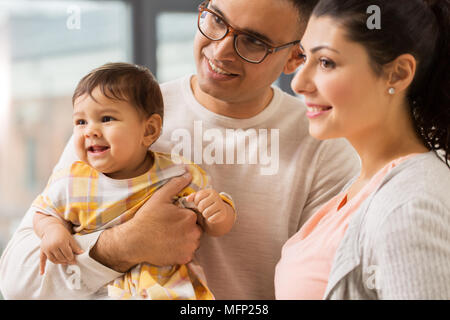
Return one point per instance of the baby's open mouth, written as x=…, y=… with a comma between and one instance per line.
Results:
x=97, y=149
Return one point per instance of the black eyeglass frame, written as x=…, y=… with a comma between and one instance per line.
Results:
x=269, y=49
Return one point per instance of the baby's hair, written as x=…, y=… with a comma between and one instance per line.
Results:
x=126, y=82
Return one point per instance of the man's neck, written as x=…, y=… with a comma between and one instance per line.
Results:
x=243, y=109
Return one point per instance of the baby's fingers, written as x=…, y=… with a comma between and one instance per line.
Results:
x=210, y=212
x=190, y=198
x=58, y=256
x=42, y=261
x=66, y=251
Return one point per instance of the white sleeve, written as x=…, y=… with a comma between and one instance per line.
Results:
x=68, y=156
x=19, y=269
x=19, y=264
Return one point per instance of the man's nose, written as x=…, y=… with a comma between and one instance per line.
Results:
x=224, y=49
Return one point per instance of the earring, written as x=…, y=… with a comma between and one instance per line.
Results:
x=391, y=90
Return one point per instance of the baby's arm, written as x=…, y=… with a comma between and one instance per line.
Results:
x=57, y=243
x=219, y=216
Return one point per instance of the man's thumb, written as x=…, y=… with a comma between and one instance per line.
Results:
x=173, y=187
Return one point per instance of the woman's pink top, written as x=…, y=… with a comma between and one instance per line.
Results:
x=307, y=257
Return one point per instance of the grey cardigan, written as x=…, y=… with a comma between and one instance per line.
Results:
x=397, y=245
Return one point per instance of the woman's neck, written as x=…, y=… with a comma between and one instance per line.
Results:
x=378, y=146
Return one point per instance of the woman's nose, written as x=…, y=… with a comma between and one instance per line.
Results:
x=302, y=82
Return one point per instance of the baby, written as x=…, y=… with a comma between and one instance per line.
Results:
x=117, y=116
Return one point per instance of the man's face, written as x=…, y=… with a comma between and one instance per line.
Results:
x=221, y=73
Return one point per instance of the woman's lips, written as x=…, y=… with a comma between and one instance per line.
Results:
x=315, y=110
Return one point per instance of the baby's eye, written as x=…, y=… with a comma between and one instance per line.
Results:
x=107, y=119
x=80, y=122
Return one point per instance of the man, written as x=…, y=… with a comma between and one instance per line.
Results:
x=249, y=136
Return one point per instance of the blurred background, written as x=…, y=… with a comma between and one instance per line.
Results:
x=45, y=48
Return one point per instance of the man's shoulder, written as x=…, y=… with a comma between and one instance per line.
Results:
x=175, y=85
x=290, y=101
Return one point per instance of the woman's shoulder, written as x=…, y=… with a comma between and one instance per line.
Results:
x=424, y=174
x=416, y=190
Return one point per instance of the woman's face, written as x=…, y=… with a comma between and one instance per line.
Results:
x=344, y=96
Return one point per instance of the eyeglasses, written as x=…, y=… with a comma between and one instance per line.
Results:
x=247, y=46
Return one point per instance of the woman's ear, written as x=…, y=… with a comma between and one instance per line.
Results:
x=294, y=61
x=153, y=129
x=400, y=72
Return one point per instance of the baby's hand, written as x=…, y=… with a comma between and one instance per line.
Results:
x=58, y=246
x=218, y=215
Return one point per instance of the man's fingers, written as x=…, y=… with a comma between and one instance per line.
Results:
x=167, y=192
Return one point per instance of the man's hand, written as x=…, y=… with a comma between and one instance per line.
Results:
x=160, y=233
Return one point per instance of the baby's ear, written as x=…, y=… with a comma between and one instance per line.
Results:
x=153, y=128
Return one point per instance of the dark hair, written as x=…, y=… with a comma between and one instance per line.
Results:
x=127, y=82
x=420, y=28
x=304, y=8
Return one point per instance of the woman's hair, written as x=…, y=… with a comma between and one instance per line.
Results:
x=417, y=27
x=127, y=82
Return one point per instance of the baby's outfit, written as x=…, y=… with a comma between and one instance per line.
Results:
x=91, y=201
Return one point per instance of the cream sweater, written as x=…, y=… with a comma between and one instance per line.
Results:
x=397, y=245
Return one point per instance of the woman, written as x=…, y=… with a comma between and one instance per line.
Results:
x=386, y=90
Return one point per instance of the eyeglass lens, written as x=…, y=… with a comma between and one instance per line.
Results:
x=214, y=28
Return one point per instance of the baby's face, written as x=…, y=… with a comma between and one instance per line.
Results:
x=108, y=134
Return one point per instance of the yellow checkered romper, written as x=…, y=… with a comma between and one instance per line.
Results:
x=91, y=201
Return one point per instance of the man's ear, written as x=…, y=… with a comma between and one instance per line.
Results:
x=294, y=61
x=153, y=128
x=400, y=72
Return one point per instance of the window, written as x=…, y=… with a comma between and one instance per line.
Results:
x=175, y=44
x=47, y=46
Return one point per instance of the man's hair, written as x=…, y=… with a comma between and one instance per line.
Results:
x=126, y=82
x=305, y=9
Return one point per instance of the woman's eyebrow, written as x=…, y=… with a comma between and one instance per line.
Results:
x=315, y=49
